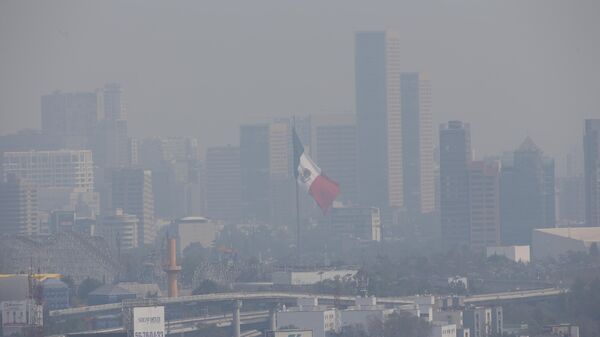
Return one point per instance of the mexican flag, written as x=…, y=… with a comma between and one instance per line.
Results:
x=309, y=175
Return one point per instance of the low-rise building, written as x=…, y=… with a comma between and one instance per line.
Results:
x=20, y=315
x=358, y=222
x=553, y=242
x=365, y=311
x=443, y=329
x=310, y=316
x=309, y=277
x=513, y=253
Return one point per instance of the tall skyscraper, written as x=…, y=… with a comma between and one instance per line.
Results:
x=62, y=168
x=254, y=167
x=112, y=145
x=417, y=143
x=527, y=194
x=591, y=153
x=71, y=116
x=18, y=207
x=132, y=192
x=379, y=120
x=484, y=201
x=455, y=157
x=223, y=183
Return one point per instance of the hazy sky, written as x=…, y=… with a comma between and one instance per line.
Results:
x=200, y=68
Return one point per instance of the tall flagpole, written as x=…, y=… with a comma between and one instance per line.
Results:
x=295, y=169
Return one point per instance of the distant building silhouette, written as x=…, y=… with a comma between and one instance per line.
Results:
x=484, y=200
x=528, y=194
x=223, y=183
x=379, y=125
x=591, y=152
x=18, y=207
x=132, y=192
x=417, y=143
x=254, y=170
x=455, y=158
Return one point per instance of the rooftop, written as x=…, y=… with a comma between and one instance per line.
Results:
x=587, y=234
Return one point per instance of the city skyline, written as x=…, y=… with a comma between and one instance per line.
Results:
x=561, y=53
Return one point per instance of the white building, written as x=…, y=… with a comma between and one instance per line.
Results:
x=513, y=253
x=443, y=329
x=195, y=229
x=552, y=242
x=365, y=311
x=425, y=304
x=309, y=277
x=61, y=168
x=310, y=316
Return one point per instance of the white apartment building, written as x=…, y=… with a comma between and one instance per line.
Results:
x=61, y=168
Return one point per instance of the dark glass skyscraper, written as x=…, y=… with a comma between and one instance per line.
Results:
x=527, y=194
x=378, y=119
x=455, y=156
x=254, y=169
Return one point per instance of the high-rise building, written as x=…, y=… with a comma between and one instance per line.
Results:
x=334, y=148
x=527, y=194
x=379, y=119
x=113, y=107
x=591, y=153
x=61, y=168
x=417, y=143
x=18, y=207
x=484, y=201
x=132, y=192
x=223, y=183
x=71, y=116
x=254, y=170
x=455, y=156
x=570, y=194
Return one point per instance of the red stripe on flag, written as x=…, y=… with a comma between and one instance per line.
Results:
x=324, y=191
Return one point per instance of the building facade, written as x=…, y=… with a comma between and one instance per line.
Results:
x=358, y=222
x=61, y=168
x=223, y=183
x=379, y=119
x=591, y=153
x=132, y=192
x=484, y=201
x=455, y=157
x=417, y=143
x=18, y=207
x=254, y=170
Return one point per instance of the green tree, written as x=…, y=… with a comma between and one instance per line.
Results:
x=208, y=287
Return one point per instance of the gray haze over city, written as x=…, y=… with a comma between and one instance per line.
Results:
x=299, y=168
x=201, y=68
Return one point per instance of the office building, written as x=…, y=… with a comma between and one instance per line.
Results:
x=455, y=157
x=527, y=194
x=132, y=192
x=112, y=147
x=55, y=294
x=379, y=119
x=570, y=194
x=62, y=168
x=591, y=154
x=357, y=222
x=18, y=207
x=334, y=148
x=70, y=116
x=254, y=170
x=120, y=230
x=113, y=106
x=417, y=143
x=223, y=183
x=484, y=201
x=280, y=170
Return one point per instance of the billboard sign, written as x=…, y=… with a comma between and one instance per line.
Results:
x=149, y=322
x=290, y=333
